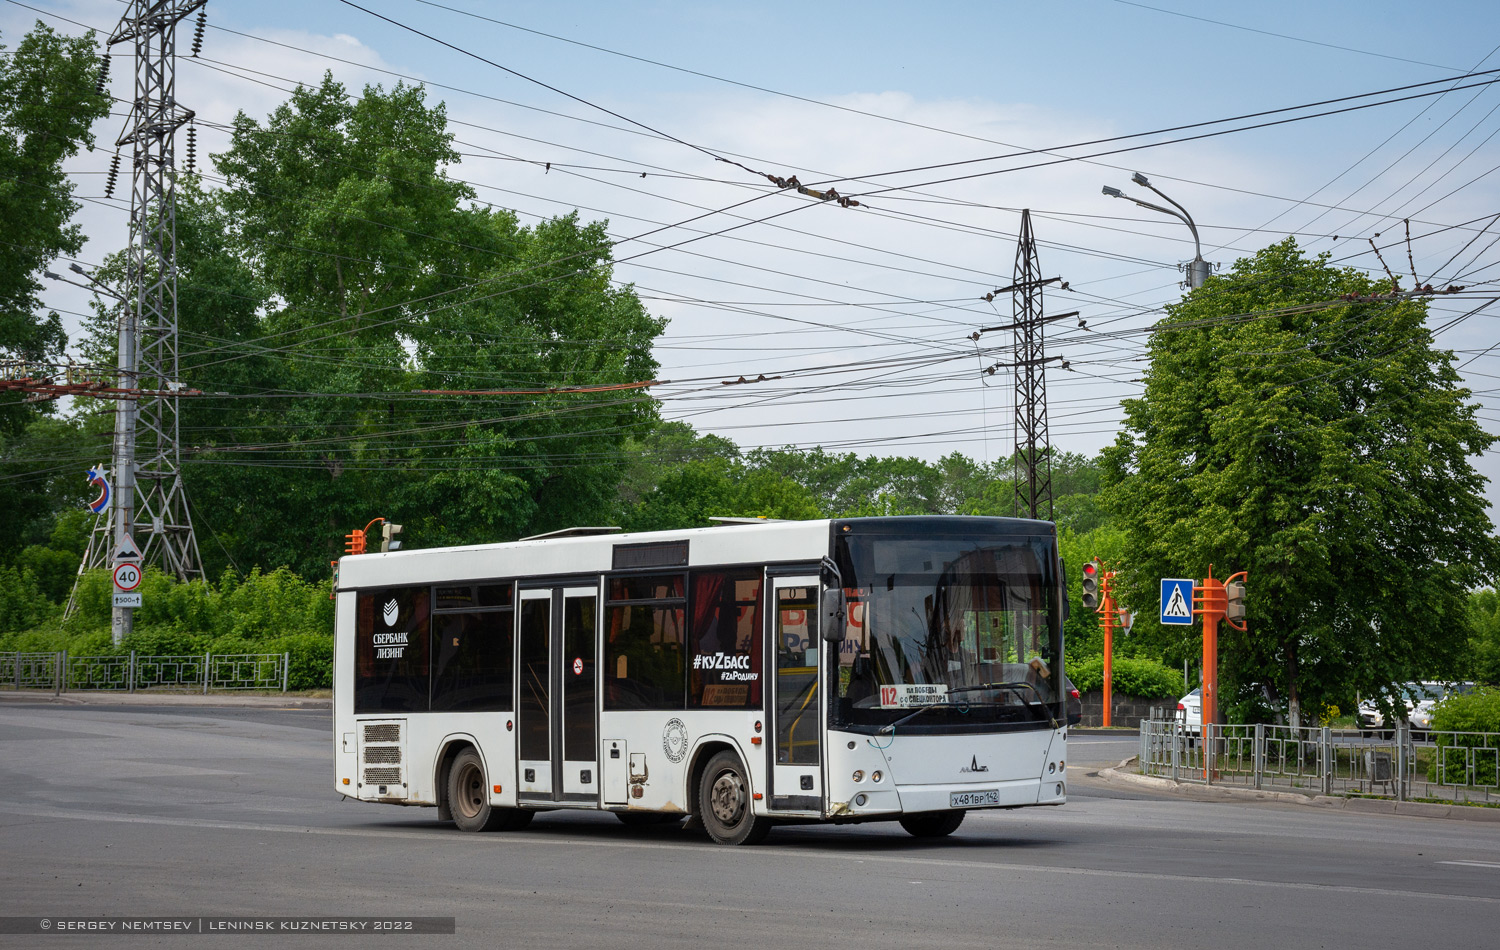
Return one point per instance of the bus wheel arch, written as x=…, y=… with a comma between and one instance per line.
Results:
x=451, y=748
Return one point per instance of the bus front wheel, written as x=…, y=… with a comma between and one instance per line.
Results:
x=724, y=803
x=932, y=824
x=469, y=799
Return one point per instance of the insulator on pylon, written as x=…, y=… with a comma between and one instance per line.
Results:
x=114, y=174
x=198, y=31
x=102, y=82
x=192, y=148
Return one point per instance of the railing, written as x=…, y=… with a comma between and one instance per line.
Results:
x=1402, y=764
x=207, y=672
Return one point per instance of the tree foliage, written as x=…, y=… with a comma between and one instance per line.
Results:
x=1320, y=442
x=47, y=103
x=336, y=279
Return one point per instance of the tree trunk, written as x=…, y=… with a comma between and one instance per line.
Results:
x=1293, y=702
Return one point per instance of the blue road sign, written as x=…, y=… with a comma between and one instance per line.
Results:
x=1177, y=600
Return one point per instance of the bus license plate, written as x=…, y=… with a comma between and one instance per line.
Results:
x=984, y=796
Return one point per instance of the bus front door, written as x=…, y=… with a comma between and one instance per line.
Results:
x=796, y=707
x=557, y=748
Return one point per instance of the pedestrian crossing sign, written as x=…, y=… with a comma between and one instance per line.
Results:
x=1177, y=600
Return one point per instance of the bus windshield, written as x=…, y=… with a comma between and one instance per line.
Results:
x=961, y=627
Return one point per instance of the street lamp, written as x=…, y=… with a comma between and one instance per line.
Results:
x=1197, y=269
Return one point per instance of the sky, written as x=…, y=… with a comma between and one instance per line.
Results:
x=705, y=99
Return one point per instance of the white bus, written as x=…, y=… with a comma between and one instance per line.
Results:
x=744, y=675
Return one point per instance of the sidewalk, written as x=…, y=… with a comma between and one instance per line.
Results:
x=108, y=697
x=1122, y=774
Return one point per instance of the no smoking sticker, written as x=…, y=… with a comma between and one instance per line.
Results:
x=578, y=666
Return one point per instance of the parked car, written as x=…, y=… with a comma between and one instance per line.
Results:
x=1414, y=702
x=1075, y=702
x=1190, y=712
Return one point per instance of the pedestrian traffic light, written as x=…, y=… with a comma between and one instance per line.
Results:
x=354, y=542
x=1091, y=572
x=388, y=540
x=1234, y=607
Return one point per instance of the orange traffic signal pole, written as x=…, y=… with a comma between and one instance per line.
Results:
x=1210, y=601
x=1107, y=608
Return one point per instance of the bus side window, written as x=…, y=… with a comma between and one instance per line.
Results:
x=644, y=642
x=724, y=639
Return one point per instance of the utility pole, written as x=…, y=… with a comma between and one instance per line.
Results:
x=1034, y=492
x=147, y=454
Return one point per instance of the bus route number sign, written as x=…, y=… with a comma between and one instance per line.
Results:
x=127, y=577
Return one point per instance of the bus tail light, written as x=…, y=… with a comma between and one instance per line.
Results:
x=755, y=740
x=497, y=790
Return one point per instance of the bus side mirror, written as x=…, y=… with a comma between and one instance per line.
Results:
x=833, y=615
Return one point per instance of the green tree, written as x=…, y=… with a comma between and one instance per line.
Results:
x=1320, y=442
x=1484, y=640
x=47, y=104
x=340, y=272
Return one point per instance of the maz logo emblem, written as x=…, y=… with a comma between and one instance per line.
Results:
x=974, y=766
x=390, y=611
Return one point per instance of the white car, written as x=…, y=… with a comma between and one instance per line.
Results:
x=1418, y=700
x=1190, y=712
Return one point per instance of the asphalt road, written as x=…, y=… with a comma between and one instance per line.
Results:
x=152, y=811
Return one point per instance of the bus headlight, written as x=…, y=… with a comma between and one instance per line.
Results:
x=860, y=799
x=876, y=776
x=859, y=775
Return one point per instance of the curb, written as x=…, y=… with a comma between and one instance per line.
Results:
x=116, y=698
x=1363, y=806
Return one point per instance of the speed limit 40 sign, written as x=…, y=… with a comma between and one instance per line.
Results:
x=127, y=577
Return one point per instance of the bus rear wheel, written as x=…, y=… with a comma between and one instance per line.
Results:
x=724, y=803
x=469, y=799
x=932, y=824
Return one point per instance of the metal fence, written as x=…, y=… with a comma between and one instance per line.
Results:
x=203, y=673
x=1402, y=764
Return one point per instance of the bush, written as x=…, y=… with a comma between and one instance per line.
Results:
x=277, y=612
x=1133, y=676
x=1478, y=711
x=22, y=603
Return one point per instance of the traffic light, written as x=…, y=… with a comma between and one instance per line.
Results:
x=1234, y=607
x=333, y=593
x=388, y=540
x=1091, y=585
x=354, y=542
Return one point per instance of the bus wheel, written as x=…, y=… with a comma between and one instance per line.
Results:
x=932, y=824
x=469, y=800
x=724, y=803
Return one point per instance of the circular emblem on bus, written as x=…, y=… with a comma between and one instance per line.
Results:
x=674, y=740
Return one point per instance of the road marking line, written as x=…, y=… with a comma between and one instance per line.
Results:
x=1473, y=864
x=554, y=842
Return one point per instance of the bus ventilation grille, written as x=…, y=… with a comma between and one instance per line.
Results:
x=383, y=732
x=381, y=754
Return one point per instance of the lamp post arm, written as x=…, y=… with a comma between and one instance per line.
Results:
x=1187, y=219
